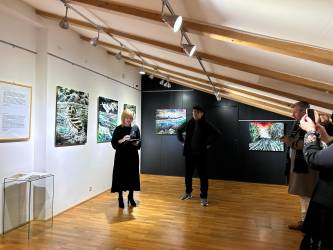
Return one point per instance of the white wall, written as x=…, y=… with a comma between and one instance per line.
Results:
x=16, y=65
x=76, y=168
x=79, y=167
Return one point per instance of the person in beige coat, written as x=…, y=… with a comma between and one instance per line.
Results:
x=301, y=178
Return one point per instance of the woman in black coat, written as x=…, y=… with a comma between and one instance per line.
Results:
x=318, y=224
x=126, y=142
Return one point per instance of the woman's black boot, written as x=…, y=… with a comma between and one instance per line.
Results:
x=130, y=200
x=121, y=200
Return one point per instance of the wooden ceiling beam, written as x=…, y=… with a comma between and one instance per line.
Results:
x=224, y=90
x=305, y=82
x=226, y=34
x=236, y=98
x=201, y=81
x=228, y=79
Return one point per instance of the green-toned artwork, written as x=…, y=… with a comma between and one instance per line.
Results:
x=131, y=108
x=169, y=120
x=107, y=119
x=265, y=136
x=71, y=117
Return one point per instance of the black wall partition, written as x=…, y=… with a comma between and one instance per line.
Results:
x=230, y=158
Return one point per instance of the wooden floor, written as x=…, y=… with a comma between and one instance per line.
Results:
x=239, y=216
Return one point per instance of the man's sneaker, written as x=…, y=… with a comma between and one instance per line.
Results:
x=297, y=226
x=204, y=202
x=186, y=196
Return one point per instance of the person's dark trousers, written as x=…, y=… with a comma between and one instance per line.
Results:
x=198, y=161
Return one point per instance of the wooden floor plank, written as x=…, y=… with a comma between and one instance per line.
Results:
x=239, y=216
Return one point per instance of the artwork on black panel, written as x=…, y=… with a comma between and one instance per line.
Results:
x=107, y=119
x=265, y=136
x=71, y=117
x=169, y=120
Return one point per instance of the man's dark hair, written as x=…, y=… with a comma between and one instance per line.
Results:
x=302, y=105
x=198, y=108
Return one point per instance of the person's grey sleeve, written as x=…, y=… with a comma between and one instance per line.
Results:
x=317, y=158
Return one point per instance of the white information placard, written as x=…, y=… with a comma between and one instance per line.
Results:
x=15, y=111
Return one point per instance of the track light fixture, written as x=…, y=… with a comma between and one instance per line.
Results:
x=151, y=76
x=162, y=82
x=94, y=40
x=188, y=47
x=142, y=70
x=173, y=21
x=218, y=96
x=119, y=55
x=64, y=24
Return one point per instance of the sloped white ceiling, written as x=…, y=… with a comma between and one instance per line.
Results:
x=300, y=21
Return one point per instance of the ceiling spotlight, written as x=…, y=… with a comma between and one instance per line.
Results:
x=218, y=96
x=142, y=70
x=64, y=24
x=119, y=55
x=173, y=21
x=166, y=84
x=151, y=76
x=169, y=85
x=94, y=40
x=189, y=49
x=162, y=82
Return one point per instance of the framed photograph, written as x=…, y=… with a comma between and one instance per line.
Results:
x=131, y=108
x=71, y=117
x=107, y=119
x=15, y=111
x=169, y=120
x=265, y=136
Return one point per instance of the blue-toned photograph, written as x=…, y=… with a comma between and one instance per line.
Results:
x=71, y=117
x=265, y=136
x=107, y=119
x=169, y=120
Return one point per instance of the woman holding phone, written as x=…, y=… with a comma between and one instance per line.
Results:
x=126, y=142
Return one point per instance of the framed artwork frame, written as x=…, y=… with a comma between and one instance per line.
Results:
x=107, y=119
x=167, y=121
x=265, y=136
x=71, y=117
x=132, y=108
x=15, y=111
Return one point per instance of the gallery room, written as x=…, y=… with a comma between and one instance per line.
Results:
x=164, y=124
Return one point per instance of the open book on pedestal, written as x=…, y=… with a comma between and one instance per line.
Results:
x=28, y=176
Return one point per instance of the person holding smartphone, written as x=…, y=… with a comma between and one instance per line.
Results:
x=301, y=179
x=126, y=142
x=318, y=152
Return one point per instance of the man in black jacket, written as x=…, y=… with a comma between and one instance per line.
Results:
x=198, y=139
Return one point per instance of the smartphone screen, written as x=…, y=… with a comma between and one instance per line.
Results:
x=311, y=114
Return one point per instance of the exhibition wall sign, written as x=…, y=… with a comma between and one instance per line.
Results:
x=15, y=111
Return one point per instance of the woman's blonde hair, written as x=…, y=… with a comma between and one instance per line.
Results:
x=126, y=114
